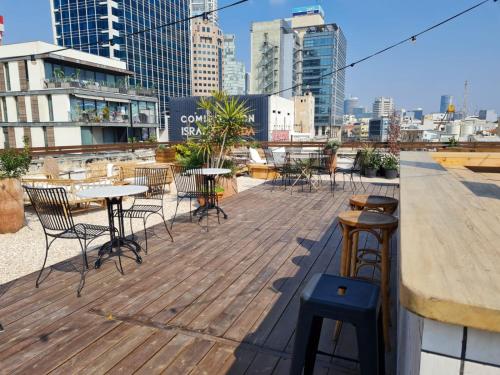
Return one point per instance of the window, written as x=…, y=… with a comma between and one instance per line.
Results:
x=51, y=108
x=5, y=117
x=7, y=76
x=16, y=99
x=26, y=71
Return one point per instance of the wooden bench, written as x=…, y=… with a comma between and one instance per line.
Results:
x=262, y=171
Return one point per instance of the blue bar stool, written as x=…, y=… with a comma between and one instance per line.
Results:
x=343, y=299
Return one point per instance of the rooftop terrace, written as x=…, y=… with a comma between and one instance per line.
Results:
x=223, y=301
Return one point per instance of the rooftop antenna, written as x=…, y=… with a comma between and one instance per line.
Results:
x=464, y=104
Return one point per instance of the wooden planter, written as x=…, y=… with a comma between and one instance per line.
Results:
x=201, y=200
x=229, y=184
x=166, y=155
x=11, y=205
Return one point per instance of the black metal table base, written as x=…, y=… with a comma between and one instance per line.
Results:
x=210, y=201
x=117, y=236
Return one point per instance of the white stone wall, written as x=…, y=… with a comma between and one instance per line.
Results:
x=37, y=139
x=43, y=108
x=61, y=108
x=67, y=135
x=11, y=108
x=15, y=84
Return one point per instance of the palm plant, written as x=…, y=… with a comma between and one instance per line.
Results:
x=223, y=127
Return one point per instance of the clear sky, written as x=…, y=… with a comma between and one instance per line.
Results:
x=415, y=74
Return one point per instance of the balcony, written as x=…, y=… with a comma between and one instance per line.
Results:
x=104, y=87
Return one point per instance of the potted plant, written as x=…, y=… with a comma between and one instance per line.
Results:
x=390, y=165
x=164, y=154
x=13, y=164
x=332, y=146
x=224, y=126
x=371, y=162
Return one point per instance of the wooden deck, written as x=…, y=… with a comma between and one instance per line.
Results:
x=220, y=302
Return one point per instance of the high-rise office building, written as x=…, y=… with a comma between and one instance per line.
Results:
x=383, y=106
x=323, y=50
x=234, y=76
x=206, y=57
x=201, y=6
x=159, y=59
x=446, y=100
x=2, y=29
x=273, y=46
x=350, y=104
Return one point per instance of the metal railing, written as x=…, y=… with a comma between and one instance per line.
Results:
x=405, y=146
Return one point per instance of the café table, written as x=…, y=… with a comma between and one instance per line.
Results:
x=113, y=195
x=304, y=164
x=209, y=177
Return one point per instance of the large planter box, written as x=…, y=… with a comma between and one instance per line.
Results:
x=11, y=205
x=166, y=155
x=262, y=171
x=229, y=184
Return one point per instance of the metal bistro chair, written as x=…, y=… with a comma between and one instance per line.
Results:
x=278, y=168
x=150, y=202
x=54, y=212
x=189, y=185
x=355, y=168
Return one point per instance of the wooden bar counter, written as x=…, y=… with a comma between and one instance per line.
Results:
x=449, y=264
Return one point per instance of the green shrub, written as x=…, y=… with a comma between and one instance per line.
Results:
x=14, y=163
x=390, y=162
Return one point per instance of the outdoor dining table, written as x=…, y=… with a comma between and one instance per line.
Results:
x=113, y=195
x=304, y=163
x=209, y=176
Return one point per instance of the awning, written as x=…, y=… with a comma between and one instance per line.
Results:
x=90, y=97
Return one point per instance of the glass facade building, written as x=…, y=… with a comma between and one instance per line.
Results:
x=324, y=50
x=160, y=59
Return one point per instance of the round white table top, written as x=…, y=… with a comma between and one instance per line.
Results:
x=212, y=171
x=111, y=191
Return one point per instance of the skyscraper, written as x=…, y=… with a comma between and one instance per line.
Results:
x=383, y=106
x=273, y=46
x=160, y=58
x=446, y=100
x=201, y=6
x=350, y=104
x=323, y=50
x=234, y=76
x=206, y=61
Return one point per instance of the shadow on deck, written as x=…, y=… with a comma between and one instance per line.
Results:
x=223, y=301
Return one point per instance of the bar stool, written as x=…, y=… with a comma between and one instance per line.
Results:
x=381, y=226
x=341, y=299
x=378, y=203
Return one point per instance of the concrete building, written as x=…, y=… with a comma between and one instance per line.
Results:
x=159, y=59
x=70, y=98
x=350, y=104
x=198, y=7
x=271, y=117
x=383, y=106
x=304, y=114
x=488, y=115
x=378, y=129
x=273, y=46
x=2, y=30
x=446, y=101
x=248, y=77
x=234, y=75
x=322, y=49
x=206, y=59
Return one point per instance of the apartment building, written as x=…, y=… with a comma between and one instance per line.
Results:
x=69, y=98
x=207, y=54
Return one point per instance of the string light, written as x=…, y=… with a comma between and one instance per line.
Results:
x=413, y=38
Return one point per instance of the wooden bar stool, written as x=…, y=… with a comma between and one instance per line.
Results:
x=378, y=203
x=381, y=226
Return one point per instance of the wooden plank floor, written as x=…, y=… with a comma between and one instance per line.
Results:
x=220, y=302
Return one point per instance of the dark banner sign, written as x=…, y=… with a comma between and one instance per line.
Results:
x=185, y=113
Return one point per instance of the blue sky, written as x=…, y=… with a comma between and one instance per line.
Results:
x=415, y=74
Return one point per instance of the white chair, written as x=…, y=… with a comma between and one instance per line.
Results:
x=255, y=157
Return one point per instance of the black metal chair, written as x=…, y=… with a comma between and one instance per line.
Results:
x=278, y=168
x=54, y=212
x=189, y=185
x=150, y=202
x=355, y=168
